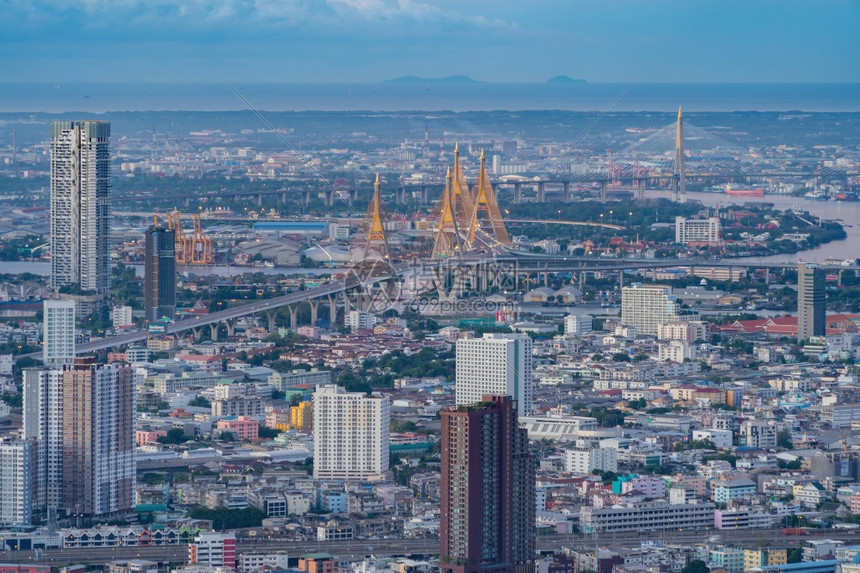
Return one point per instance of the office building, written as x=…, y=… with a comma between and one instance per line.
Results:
x=159, y=274
x=83, y=419
x=16, y=481
x=213, y=549
x=357, y=320
x=497, y=364
x=575, y=324
x=697, y=231
x=58, y=331
x=586, y=460
x=121, y=316
x=646, y=307
x=350, y=434
x=764, y=557
x=80, y=204
x=488, y=490
x=647, y=516
x=810, y=301
x=758, y=434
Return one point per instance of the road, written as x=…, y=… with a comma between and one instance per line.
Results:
x=394, y=547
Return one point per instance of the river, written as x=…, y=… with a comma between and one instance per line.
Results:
x=846, y=213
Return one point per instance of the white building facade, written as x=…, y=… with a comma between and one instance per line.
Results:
x=697, y=231
x=58, y=331
x=646, y=307
x=498, y=364
x=350, y=434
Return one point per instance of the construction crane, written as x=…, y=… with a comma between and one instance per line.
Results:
x=201, y=245
x=196, y=249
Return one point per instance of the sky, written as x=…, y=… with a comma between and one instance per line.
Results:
x=375, y=40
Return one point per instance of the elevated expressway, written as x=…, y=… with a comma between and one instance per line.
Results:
x=520, y=264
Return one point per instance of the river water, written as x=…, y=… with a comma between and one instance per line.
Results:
x=846, y=213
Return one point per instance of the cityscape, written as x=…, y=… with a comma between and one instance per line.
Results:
x=524, y=323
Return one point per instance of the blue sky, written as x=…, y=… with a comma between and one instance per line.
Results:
x=373, y=40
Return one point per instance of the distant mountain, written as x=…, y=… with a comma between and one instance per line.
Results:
x=562, y=79
x=417, y=80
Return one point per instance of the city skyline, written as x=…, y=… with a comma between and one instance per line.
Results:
x=375, y=40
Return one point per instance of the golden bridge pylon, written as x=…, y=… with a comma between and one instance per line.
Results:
x=371, y=238
x=486, y=224
x=455, y=211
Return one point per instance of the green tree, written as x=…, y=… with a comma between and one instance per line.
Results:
x=696, y=566
x=174, y=436
x=783, y=440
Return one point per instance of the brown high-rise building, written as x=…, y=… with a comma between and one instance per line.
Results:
x=488, y=490
x=97, y=441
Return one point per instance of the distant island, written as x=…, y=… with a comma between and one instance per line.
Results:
x=417, y=80
x=563, y=79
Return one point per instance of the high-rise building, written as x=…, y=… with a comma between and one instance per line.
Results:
x=16, y=481
x=810, y=301
x=159, y=274
x=80, y=204
x=488, y=490
x=58, y=331
x=499, y=364
x=646, y=307
x=83, y=418
x=350, y=434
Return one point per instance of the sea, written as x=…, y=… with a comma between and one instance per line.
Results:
x=431, y=96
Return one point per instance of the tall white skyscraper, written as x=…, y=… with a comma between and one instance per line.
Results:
x=83, y=418
x=350, y=434
x=80, y=204
x=58, y=331
x=646, y=307
x=499, y=364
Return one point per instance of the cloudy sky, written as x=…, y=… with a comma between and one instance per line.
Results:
x=373, y=40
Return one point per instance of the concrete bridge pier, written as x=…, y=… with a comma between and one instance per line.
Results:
x=259, y=199
x=282, y=197
x=315, y=305
x=294, y=319
x=329, y=198
x=213, y=331
x=306, y=198
x=541, y=192
x=603, y=191
x=196, y=332
x=332, y=309
x=230, y=324
x=566, y=191
x=518, y=193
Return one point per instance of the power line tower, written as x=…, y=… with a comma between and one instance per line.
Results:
x=486, y=222
x=679, y=178
x=371, y=238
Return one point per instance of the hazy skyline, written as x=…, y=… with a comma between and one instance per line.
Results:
x=374, y=40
